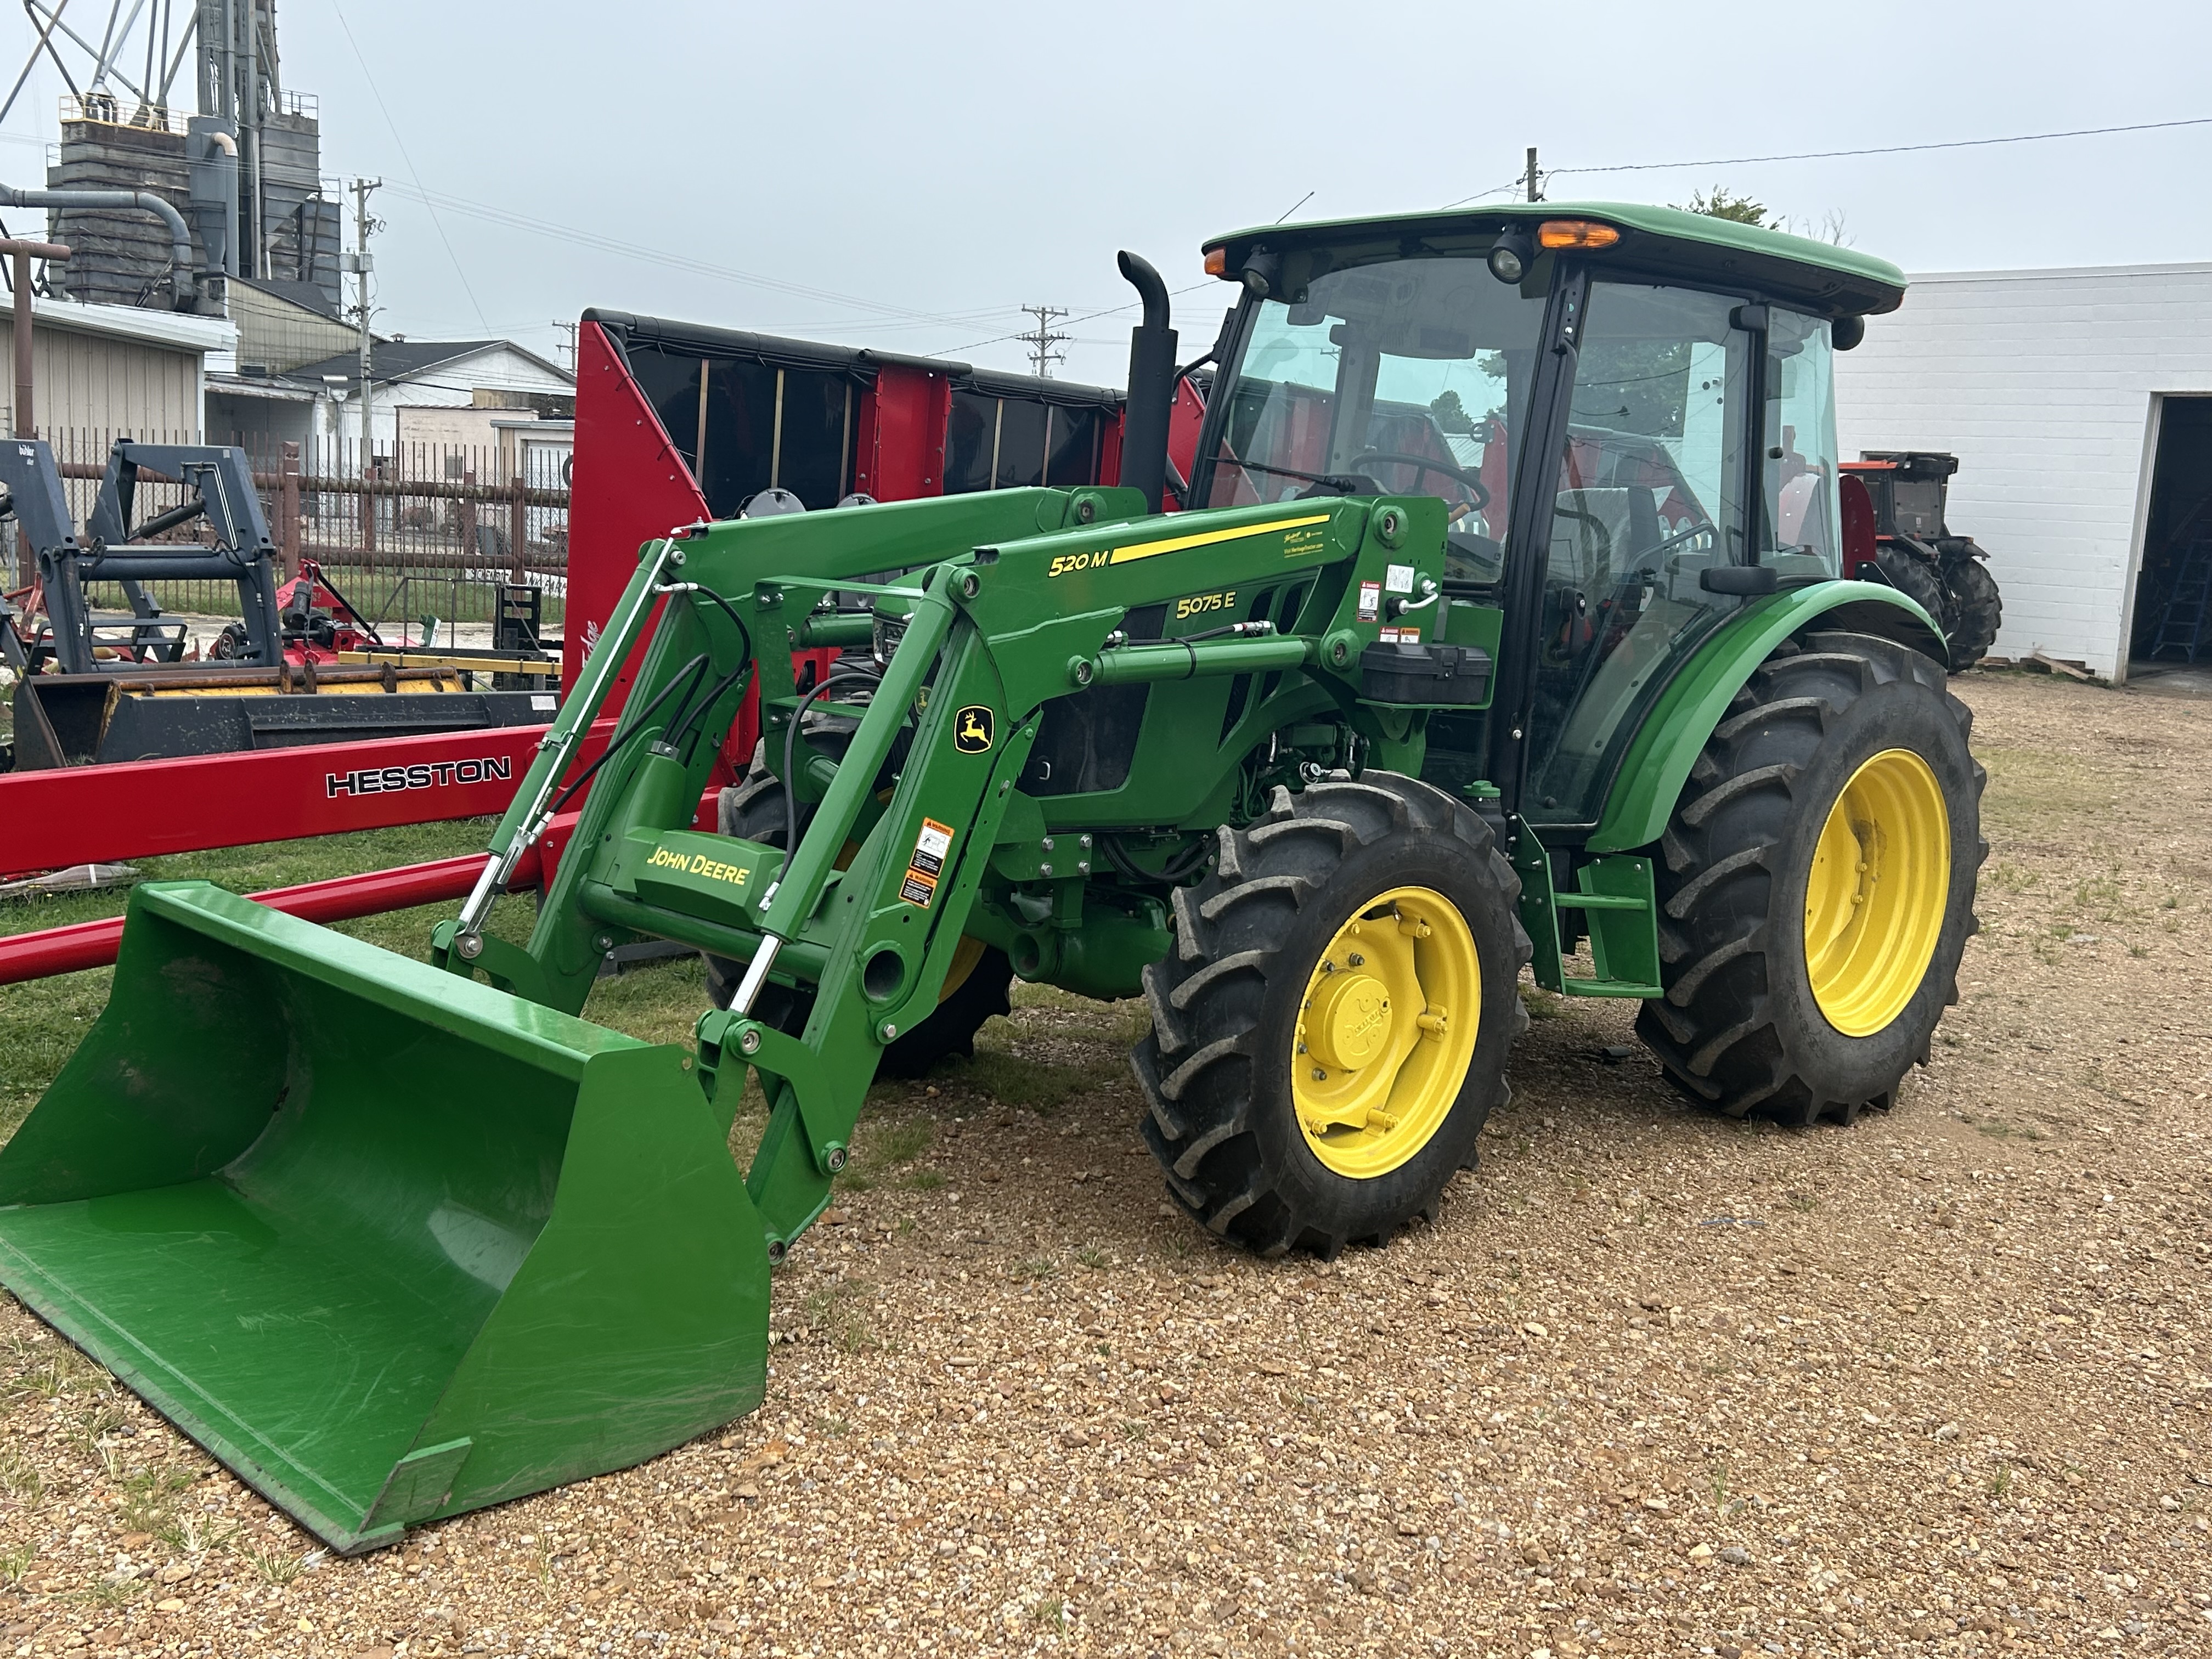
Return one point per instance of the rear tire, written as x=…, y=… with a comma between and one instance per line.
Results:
x=1744, y=1026
x=1914, y=577
x=1251, y=1151
x=1974, y=611
x=976, y=989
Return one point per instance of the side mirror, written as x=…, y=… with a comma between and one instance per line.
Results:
x=1742, y=580
x=1845, y=333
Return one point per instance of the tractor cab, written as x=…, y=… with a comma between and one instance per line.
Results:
x=1628, y=411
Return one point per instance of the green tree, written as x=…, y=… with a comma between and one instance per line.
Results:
x=1451, y=414
x=1719, y=203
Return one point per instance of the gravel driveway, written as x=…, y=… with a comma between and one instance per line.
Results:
x=1654, y=1383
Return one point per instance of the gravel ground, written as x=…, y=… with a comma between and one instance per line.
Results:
x=1654, y=1383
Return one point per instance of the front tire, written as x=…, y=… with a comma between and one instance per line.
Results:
x=1330, y=1032
x=1817, y=885
x=976, y=986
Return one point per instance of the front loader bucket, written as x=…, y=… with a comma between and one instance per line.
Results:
x=390, y=1243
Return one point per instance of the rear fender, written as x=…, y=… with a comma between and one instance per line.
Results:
x=1658, y=763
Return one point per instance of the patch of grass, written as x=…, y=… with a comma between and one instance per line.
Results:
x=1117, y=1024
x=838, y=1312
x=149, y=1498
x=922, y=1181
x=2001, y=1481
x=20, y=1480
x=1042, y=1087
x=832, y=1427
x=2009, y=877
x=888, y=1146
x=1037, y=1266
x=1542, y=1004
x=1051, y=1611
x=2031, y=791
x=1134, y=1428
x=15, y=1561
x=275, y=1565
x=1091, y=1256
x=1803, y=1203
x=60, y=1373
x=2100, y=895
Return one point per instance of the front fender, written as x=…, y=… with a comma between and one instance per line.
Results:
x=1658, y=763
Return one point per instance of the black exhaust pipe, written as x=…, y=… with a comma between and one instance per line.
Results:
x=1151, y=385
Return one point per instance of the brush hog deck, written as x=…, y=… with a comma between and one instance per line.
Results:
x=389, y=1243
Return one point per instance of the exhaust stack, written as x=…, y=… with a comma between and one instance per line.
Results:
x=1151, y=384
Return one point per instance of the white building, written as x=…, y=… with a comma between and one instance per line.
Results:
x=437, y=395
x=2079, y=403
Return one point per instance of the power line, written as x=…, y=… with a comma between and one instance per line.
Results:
x=438, y=224
x=1088, y=317
x=1043, y=337
x=576, y=236
x=1835, y=155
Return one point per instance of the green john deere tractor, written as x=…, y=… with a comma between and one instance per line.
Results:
x=1500, y=627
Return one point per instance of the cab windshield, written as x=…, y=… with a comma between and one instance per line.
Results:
x=1398, y=377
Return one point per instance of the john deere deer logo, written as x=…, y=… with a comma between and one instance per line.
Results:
x=971, y=730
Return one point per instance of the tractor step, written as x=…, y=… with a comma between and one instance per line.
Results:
x=1615, y=893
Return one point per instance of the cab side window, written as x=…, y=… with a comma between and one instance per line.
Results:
x=1652, y=490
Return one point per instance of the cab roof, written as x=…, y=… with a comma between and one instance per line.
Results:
x=1820, y=277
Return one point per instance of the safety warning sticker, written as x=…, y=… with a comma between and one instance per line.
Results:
x=1370, y=601
x=927, y=864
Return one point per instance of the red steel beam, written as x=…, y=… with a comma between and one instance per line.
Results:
x=93, y=944
x=140, y=809
x=341, y=898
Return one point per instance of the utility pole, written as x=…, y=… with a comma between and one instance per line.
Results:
x=569, y=341
x=1534, y=178
x=362, y=266
x=1043, y=337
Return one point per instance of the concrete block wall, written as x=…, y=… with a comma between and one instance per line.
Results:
x=2045, y=384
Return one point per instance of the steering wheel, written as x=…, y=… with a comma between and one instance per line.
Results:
x=1426, y=465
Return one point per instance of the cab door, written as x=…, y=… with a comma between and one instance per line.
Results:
x=1652, y=486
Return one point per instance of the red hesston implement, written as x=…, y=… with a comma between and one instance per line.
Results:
x=675, y=423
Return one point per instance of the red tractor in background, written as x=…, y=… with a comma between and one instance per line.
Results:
x=1901, y=492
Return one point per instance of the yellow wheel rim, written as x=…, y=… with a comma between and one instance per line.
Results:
x=1874, y=901
x=1385, y=1032
x=965, y=955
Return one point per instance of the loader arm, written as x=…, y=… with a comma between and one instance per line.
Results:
x=1008, y=602
x=990, y=637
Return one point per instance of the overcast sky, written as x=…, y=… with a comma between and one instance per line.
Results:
x=908, y=177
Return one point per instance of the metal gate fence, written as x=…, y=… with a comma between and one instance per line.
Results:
x=432, y=530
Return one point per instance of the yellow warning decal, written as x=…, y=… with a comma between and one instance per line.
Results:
x=926, y=866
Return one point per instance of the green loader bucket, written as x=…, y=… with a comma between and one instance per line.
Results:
x=390, y=1243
